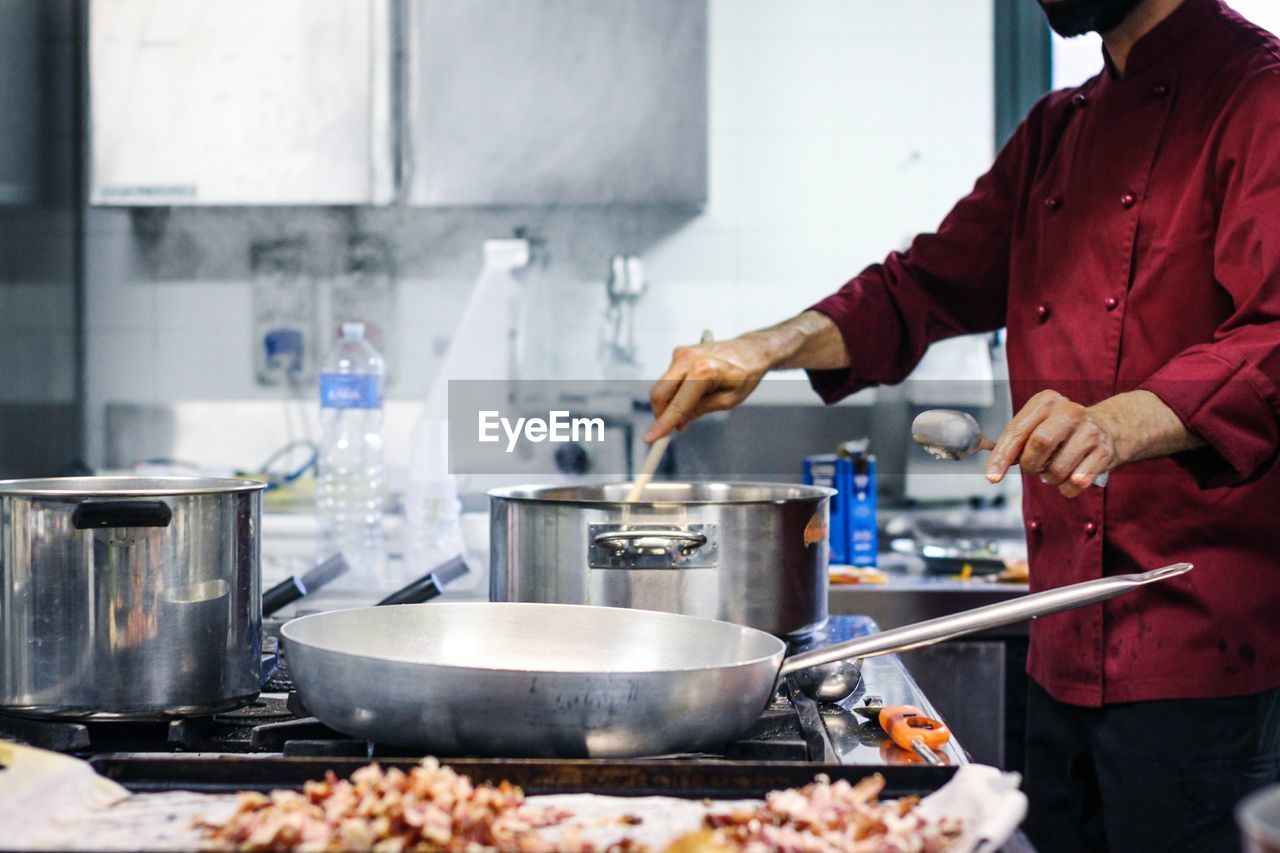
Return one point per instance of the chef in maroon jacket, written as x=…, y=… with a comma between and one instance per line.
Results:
x=1128, y=237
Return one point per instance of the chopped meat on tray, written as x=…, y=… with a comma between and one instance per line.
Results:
x=429, y=808
x=831, y=817
x=434, y=808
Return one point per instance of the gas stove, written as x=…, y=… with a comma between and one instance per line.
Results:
x=793, y=729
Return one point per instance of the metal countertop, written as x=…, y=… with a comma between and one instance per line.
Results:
x=908, y=598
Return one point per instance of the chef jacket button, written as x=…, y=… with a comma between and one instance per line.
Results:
x=1128, y=200
x=1111, y=302
x=1034, y=525
x=1079, y=100
x=1090, y=528
x=1159, y=90
x=1053, y=202
x=1042, y=311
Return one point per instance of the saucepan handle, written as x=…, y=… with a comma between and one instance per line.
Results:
x=97, y=514
x=429, y=585
x=981, y=618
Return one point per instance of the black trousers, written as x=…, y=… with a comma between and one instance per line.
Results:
x=1146, y=776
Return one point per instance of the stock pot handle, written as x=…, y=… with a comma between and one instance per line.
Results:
x=614, y=546
x=96, y=514
x=686, y=541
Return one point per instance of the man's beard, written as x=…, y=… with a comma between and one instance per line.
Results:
x=1076, y=17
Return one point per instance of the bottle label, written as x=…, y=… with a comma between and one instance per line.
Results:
x=350, y=391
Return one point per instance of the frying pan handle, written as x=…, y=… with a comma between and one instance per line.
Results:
x=981, y=618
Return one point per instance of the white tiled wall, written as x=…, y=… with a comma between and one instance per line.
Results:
x=838, y=129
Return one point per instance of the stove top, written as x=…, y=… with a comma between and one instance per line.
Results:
x=793, y=729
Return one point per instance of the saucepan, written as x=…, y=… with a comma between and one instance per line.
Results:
x=129, y=597
x=570, y=681
x=751, y=553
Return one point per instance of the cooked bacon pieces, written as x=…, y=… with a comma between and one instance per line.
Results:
x=827, y=817
x=433, y=808
x=387, y=811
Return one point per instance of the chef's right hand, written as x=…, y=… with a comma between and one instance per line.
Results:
x=708, y=377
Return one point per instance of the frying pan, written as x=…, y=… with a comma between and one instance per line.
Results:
x=574, y=681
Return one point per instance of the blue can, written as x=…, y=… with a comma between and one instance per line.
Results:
x=852, y=473
x=859, y=488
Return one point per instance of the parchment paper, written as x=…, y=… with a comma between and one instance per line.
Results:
x=86, y=812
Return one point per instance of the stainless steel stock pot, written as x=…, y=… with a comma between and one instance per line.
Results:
x=750, y=553
x=129, y=597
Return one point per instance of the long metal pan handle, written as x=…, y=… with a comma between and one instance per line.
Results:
x=980, y=618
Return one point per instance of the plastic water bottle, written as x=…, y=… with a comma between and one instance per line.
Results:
x=432, y=512
x=349, y=478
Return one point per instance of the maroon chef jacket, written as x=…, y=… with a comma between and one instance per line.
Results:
x=1128, y=236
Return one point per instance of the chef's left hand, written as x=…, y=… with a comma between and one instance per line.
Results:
x=1068, y=445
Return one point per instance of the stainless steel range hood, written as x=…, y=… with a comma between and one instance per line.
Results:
x=557, y=101
x=425, y=102
x=239, y=102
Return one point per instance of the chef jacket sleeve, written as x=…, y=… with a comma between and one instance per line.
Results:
x=950, y=283
x=1225, y=391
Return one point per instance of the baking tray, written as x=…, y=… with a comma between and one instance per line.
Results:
x=697, y=779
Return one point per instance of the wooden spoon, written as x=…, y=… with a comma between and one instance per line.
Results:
x=656, y=450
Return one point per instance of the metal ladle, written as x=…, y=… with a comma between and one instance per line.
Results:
x=947, y=434
x=953, y=435
x=829, y=682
